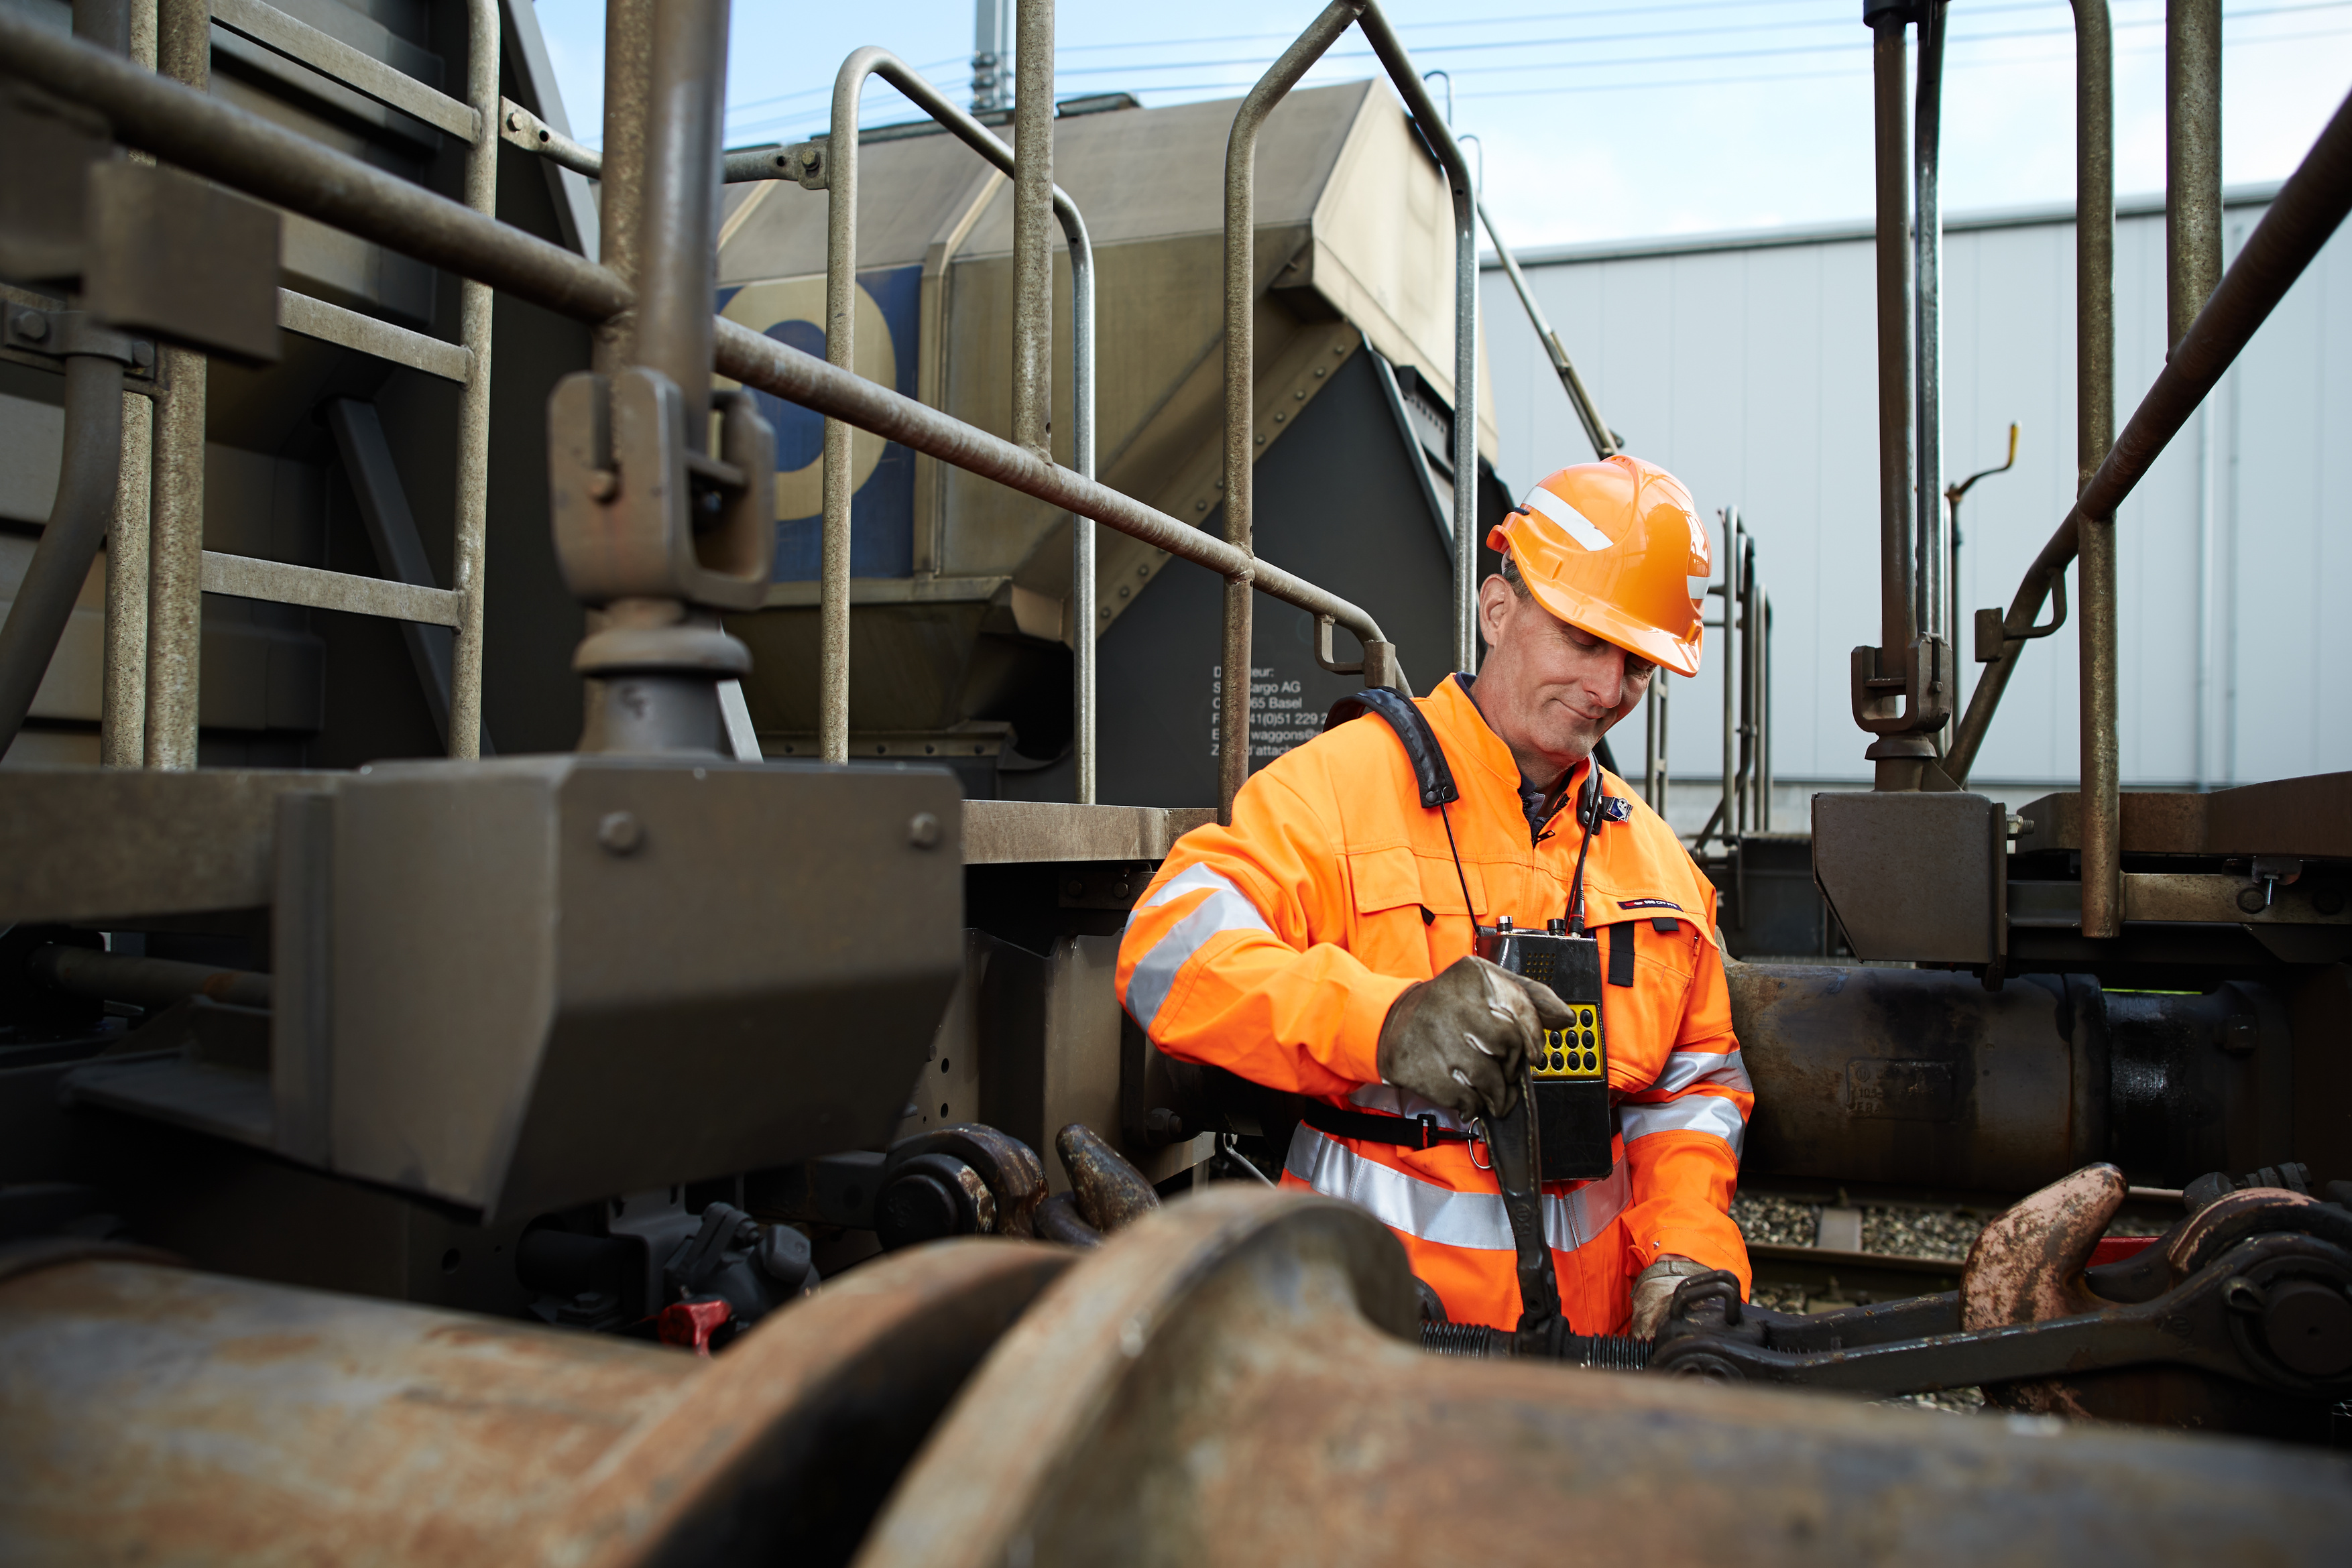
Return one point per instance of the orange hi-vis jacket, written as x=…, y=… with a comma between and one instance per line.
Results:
x=1276, y=947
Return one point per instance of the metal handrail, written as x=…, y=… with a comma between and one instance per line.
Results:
x=1241, y=288
x=221, y=142
x=840, y=274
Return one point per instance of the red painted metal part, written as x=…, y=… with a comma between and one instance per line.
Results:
x=690, y=1324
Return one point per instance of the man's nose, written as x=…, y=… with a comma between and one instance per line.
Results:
x=1606, y=679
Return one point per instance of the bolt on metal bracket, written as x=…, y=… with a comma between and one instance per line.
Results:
x=58, y=334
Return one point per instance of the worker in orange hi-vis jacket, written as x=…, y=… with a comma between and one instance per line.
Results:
x=1322, y=943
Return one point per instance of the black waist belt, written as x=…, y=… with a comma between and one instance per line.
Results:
x=1422, y=1131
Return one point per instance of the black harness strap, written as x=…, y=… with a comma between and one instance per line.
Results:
x=1405, y=1131
x=1621, y=953
x=1430, y=773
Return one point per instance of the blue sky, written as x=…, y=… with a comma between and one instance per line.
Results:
x=1600, y=119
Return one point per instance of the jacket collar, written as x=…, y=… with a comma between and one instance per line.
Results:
x=1465, y=733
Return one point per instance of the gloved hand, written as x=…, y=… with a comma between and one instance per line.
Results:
x=1464, y=1040
x=1653, y=1291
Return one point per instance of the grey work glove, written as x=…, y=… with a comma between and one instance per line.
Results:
x=1464, y=1040
x=1653, y=1291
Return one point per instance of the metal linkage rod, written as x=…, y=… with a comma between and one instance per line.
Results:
x=77, y=527
x=804, y=379
x=841, y=270
x=1406, y=77
x=2308, y=209
x=1241, y=378
x=1596, y=429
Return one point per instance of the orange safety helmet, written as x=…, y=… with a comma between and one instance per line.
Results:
x=1616, y=549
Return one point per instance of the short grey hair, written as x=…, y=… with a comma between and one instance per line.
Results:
x=1511, y=575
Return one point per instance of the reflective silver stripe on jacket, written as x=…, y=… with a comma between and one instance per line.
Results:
x=1474, y=1220
x=1724, y=1070
x=1226, y=909
x=1692, y=1113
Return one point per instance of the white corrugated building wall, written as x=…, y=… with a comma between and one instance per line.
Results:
x=1745, y=364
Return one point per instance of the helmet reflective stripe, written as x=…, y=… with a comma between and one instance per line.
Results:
x=1579, y=527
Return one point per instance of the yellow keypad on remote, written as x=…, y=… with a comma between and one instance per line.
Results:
x=1574, y=1052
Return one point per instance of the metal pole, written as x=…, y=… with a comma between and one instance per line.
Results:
x=621, y=174
x=1406, y=77
x=1933, y=544
x=1764, y=745
x=1084, y=651
x=2307, y=210
x=1731, y=532
x=1033, y=204
x=122, y=713
x=2192, y=160
x=87, y=476
x=1751, y=731
x=678, y=224
x=1666, y=740
x=1896, y=623
x=1233, y=680
x=1596, y=429
x=1650, y=740
x=123, y=716
x=177, y=511
x=477, y=303
x=2095, y=424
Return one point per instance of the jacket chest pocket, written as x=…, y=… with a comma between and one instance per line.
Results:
x=1404, y=912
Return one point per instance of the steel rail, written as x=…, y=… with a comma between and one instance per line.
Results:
x=2307, y=210
x=1604, y=440
x=841, y=262
x=218, y=142
x=87, y=478
x=1238, y=511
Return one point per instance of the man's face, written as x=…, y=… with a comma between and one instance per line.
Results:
x=1546, y=687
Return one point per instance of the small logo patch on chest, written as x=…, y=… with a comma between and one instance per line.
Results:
x=1651, y=904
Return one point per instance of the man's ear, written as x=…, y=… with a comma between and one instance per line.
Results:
x=1495, y=599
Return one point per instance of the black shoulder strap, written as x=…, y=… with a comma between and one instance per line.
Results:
x=1421, y=747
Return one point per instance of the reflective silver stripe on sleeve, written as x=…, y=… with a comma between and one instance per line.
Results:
x=1226, y=909
x=1723, y=1070
x=1474, y=1220
x=1710, y=1114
